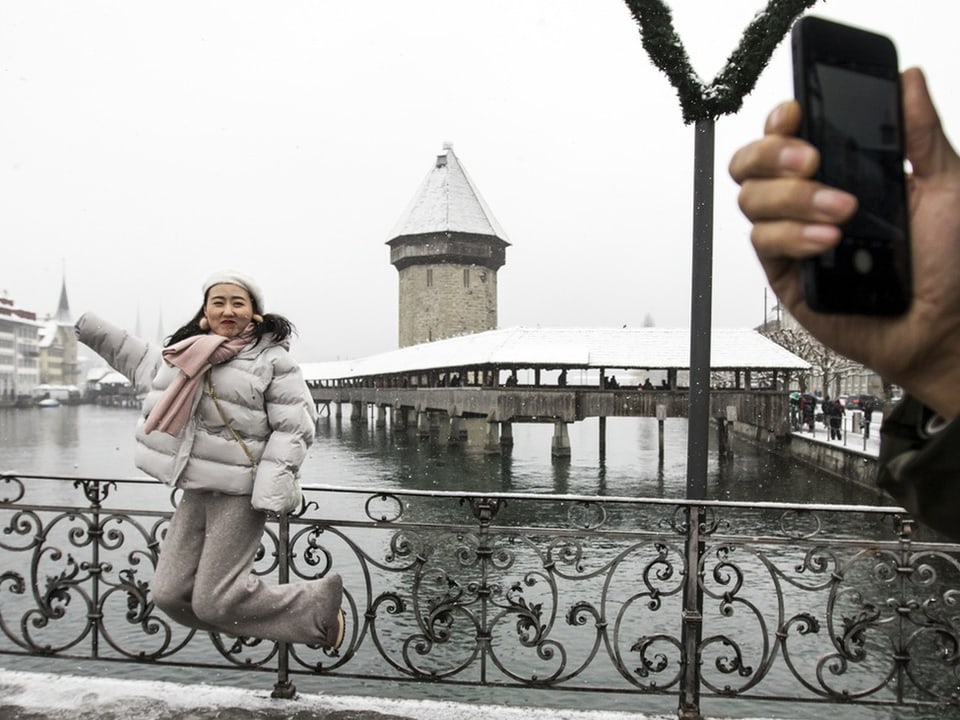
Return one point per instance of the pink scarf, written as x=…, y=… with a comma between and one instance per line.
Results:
x=193, y=356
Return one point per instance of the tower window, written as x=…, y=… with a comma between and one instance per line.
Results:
x=429, y=277
x=466, y=277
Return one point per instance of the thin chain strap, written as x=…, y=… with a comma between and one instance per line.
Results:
x=223, y=416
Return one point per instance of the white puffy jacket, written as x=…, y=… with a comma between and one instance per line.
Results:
x=263, y=395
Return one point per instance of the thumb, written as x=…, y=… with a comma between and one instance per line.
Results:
x=928, y=149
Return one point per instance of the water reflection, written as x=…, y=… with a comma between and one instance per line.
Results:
x=68, y=440
x=39, y=427
x=632, y=465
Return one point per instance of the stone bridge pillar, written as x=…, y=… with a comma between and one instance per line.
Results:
x=560, y=447
x=506, y=434
x=492, y=444
x=456, y=435
x=358, y=412
x=478, y=435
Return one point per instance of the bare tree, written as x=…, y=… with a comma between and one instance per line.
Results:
x=831, y=364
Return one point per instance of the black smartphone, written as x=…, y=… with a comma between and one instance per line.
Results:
x=847, y=82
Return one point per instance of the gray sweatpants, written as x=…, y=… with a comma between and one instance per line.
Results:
x=204, y=579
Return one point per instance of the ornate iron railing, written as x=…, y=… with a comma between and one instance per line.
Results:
x=659, y=598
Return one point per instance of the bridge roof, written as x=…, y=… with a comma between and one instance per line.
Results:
x=523, y=347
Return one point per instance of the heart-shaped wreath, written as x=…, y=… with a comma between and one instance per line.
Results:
x=737, y=78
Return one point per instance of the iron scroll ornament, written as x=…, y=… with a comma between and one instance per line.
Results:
x=739, y=75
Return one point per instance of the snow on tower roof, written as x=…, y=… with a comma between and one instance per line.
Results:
x=448, y=201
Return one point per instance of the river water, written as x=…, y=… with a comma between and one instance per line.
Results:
x=93, y=441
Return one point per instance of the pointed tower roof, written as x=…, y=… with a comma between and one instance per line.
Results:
x=63, y=307
x=448, y=201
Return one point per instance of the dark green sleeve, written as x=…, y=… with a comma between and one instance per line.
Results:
x=922, y=469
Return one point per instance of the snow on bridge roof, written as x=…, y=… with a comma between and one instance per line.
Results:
x=522, y=347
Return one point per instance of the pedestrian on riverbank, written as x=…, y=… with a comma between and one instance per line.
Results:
x=795, y=411
x=794, y=217
x=227, y=419
x=868, y=408
x=833, y=413
x=808, y=406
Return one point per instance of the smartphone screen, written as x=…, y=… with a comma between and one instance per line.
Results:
x=848, y=85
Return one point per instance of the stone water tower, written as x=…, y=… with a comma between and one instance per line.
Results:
x=447, y=248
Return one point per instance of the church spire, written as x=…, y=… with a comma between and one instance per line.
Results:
x=63, y=308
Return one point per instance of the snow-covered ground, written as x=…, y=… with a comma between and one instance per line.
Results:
x=851, y=440
x=73, y=697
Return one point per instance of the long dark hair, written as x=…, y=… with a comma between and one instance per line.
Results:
x=271, y=323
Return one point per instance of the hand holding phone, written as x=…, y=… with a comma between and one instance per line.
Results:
x=847, y=82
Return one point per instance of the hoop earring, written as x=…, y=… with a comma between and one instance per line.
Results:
x=204, y=325
x=257, y=318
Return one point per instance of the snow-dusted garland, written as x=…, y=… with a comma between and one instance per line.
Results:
x=737, y=78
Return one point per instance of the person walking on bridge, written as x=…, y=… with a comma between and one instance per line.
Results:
x=227, y=419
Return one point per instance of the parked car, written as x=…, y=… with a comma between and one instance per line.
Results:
x=857, y=402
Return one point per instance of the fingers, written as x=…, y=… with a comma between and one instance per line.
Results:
x=774, y=156
x=784, y=119
x=793, y=216
x=793, y=198
x=778, y=152
x=792, y=239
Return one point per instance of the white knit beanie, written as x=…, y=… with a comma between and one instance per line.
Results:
x=235, y=277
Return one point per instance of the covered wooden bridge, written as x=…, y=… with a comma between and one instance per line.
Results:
x=471, y=388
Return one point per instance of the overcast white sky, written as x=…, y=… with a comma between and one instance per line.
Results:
x=145, y=144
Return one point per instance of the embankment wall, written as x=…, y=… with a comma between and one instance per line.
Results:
x=846, y=462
